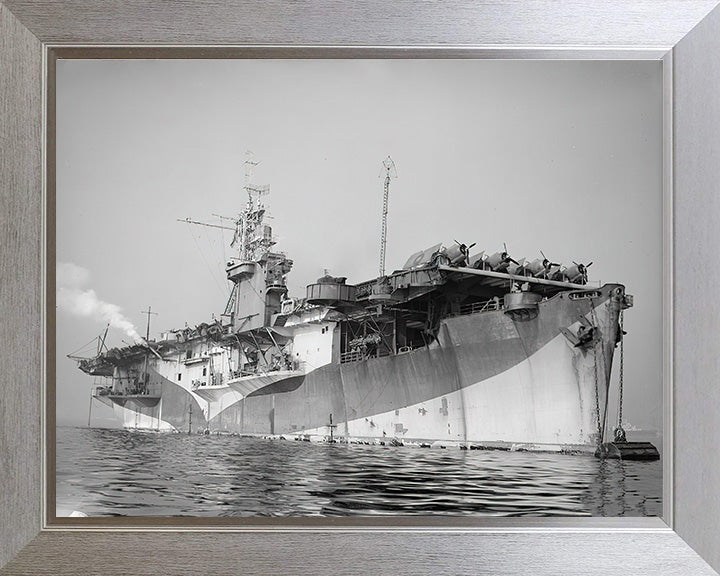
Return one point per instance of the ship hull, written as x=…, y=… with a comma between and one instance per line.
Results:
x=490, y=379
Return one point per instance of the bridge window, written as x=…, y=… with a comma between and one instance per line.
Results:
x=179, y=376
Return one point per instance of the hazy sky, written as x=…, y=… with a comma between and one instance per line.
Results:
x=563, y=157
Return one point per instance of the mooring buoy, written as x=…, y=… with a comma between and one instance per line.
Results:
x=628, y=451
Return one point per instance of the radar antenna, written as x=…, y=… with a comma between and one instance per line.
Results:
x=250, y=221
x=249, y=165
x=249, y=232
x=388, y=171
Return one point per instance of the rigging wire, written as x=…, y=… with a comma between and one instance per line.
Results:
x=83, y=347
x=222, y=237
x=212, y=250
x=263, y=298
x=212, y=272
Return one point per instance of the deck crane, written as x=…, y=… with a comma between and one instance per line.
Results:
x=388, y=171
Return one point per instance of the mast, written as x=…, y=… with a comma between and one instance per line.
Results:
x=389, y=171
x=257, y=273
x=101, y=340
x=253, y=242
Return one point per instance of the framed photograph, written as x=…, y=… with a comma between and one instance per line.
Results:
x=414, y=297
x=335, y=316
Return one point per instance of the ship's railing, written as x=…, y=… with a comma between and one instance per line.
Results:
x=584, y=295
x=483, y=306
x=154, y=389
x=216, y=379
x=98, y=391
x=258, y=370
x=351, y=356
x=357, y=355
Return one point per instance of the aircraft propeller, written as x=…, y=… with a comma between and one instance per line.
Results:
x=507, y=257
x=465, y=249
x=547, y=263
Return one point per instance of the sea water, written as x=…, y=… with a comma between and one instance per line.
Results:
x=106, y=472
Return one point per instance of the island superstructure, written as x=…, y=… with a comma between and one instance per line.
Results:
x=451, y=349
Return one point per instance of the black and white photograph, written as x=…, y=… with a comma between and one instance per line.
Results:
x=367, y=288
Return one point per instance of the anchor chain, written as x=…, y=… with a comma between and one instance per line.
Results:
x=597, y=398
x=619, y=431
x=597, y=393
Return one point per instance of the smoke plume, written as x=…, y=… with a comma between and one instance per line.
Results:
x=74, y=297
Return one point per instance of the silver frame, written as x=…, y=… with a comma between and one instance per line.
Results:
x=53, y=52
x=652, y=548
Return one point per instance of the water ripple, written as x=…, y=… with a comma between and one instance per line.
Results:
x=117, y=472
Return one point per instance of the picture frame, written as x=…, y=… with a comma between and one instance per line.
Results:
x=606, y=84
x=683, y=34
